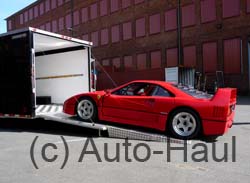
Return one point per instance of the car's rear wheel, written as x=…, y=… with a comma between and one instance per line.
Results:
x=184, y=124
x=86, y=110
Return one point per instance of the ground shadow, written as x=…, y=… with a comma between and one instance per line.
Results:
x=55, y=128
x=45, y=127
x=241, y=123
x=243, y=100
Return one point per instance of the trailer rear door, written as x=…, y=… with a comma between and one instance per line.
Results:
x=16, y=93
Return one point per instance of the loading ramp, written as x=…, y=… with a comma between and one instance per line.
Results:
x=55, y=113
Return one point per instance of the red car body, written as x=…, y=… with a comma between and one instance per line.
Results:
x=216, y=113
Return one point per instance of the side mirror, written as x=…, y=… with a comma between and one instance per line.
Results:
x=107, y=92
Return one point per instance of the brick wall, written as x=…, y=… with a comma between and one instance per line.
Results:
x=223, y=22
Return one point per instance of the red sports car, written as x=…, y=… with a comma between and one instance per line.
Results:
x=180, y=110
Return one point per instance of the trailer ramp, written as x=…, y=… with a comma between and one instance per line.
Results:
x=55, y=113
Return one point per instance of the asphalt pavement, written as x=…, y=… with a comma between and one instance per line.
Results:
x=45, y=151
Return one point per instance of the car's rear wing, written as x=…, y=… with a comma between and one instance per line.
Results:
x=224, y=102
x=225, y=96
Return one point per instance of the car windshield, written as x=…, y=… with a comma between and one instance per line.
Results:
x=193, y=92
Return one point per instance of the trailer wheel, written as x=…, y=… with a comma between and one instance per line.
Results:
x=86, y=110
x=184, y=124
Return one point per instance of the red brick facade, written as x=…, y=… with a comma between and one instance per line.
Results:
x=137, y=39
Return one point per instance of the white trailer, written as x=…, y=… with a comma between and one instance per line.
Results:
x=38, y=64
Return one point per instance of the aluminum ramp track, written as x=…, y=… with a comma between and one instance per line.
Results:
x=55, y=113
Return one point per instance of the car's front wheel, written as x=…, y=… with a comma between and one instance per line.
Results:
x=86, y=110
x=184, y=124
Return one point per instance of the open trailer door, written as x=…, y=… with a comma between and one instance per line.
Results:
x=62, y=66
x=17, y=97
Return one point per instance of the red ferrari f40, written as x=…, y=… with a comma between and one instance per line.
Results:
x=184, y=112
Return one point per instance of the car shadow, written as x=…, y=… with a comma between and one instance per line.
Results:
x=241, y=123
x=243, y=100
x=45, y=127
x=42, y=126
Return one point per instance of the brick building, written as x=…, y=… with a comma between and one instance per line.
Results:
x=137, y=39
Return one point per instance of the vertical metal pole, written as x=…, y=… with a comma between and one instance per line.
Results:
x=179, y=23
x=72, y=17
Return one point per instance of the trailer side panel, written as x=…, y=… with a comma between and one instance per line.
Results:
x=16, y=98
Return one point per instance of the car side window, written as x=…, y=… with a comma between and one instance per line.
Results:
x=129, y=90
x=159, y=91
x=136, y=89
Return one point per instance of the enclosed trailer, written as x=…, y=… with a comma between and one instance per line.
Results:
x=37, y=64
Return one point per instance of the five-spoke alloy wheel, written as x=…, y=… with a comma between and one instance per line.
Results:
x=86, y=110
x=184, y=124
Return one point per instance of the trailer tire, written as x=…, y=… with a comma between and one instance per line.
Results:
x=86, y=110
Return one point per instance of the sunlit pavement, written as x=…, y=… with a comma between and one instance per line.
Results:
x=17, y=136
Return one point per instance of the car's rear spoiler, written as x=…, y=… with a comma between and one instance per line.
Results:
x=225, y=96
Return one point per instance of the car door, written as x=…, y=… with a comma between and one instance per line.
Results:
x=130, y=108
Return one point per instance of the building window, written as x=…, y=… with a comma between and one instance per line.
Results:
x=172, y=57
x=36, y=11
x=31, y=14
x=21, y=18
x=114, y=5
x=76, y=17
x=95, y=38
x=103, y=7
x=54, y=26
x=141, y=61
x=105, y=62
x=68, y=21
x=139, y=1
x=104, y=36
x=26, y=16
x=140, y=27
x=248, y=6
x=115, y=34
x=155, y=24
x=231, y=8
x=209, y=54
x=61, y=24
x=48, y=27
x=171, y=20
x=116, y=63
x=42, y=27
x=9, y=25
x=127, y=30
x=232, y=56
x=208, y=11
x=93, y=11
x=128, y=63
x=59, y=2
x=189, y=53
x=155, y=58
x=41, y=8
x=53, y=4
x=47, y=5
x=85, y=15
x=188, y=15
x=85, y=37
x=126, y=3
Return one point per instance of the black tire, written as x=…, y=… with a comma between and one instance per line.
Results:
x=89, y=110
x=184, y=124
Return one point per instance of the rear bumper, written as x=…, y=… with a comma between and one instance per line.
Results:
x=216, y=127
